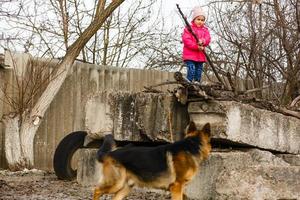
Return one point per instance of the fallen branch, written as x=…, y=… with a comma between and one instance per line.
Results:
x=295, y=101
x=152, y=90
x=289, y=112
x=164, y=83
x=193, y=91
x=255, y=90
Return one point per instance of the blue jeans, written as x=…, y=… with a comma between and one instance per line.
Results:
x=194, y=70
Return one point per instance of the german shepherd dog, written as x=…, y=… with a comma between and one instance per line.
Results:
x=169, y=166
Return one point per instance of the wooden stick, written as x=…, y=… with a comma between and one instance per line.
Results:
x=255, y=90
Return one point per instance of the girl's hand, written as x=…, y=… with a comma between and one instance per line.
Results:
x=200, y=42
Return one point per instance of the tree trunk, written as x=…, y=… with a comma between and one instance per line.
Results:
x=12, y=143
x=21, y=129
x=19, y=139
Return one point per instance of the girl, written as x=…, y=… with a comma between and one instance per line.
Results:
x=193, y=55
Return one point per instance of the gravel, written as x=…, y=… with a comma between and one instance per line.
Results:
x=41, y=185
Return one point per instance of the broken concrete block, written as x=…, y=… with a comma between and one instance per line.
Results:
x=252, y=174
x=244, y=124
x=136, y=116
x=88, y=169
x=98, y=117
x=259, y=182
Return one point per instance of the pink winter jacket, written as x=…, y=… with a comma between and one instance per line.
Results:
x=190, y=46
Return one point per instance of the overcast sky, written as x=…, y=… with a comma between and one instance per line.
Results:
x=168, y=9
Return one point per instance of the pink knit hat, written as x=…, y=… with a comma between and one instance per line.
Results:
x=197, y=11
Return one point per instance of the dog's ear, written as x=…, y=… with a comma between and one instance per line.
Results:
x=191, y=127
x=206, y=129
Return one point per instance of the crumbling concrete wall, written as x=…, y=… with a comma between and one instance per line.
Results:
x=261, y=163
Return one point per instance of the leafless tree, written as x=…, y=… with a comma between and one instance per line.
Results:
x=118, y=43
x=259, y=41
x=163, y=51
x=22, y=122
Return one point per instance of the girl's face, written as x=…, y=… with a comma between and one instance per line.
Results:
x=199, y=21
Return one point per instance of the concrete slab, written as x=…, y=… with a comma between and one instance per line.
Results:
x=252, y=175
x=259, y=182
x=245, y=124
x=136, y=116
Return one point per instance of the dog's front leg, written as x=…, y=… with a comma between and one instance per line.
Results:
x=176, y=190
x=122, y=193
x=97, y=193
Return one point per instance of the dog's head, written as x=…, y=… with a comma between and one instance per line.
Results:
x=204, y=133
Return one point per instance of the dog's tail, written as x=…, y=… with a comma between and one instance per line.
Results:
x=108, y=145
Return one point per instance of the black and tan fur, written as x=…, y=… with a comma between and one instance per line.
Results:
x=169, y=166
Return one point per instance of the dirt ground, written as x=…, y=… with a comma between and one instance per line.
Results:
x=41, y=185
